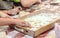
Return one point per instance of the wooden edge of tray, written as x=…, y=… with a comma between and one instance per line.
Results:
x=35, y=12
x=47, y=27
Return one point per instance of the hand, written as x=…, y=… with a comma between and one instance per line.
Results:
x=28, y=3
x=9, y=21
x=13, y=11
x=22, y=23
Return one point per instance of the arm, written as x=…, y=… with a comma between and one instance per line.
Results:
x=8, y=21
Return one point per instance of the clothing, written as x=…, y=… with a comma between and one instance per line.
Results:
x=16, y=0
x=5, y=5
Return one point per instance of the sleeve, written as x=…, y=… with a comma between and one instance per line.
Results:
x=5, y=5
x=16, y=0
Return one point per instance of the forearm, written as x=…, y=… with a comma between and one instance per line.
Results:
x=8, y=21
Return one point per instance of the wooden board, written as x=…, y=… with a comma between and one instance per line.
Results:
x=47, y=22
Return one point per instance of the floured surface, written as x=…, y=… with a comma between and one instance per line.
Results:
x=23, y=13
x=40, y=20
x=3, y=35
x=51, y=35
x=3, y=28
x=57, y=1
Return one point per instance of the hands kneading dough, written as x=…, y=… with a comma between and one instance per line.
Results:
x=8, y=21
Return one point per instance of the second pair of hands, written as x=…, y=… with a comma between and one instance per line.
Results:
x=6, y=19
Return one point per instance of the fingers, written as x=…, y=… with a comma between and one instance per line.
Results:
x=13, y=21
x=25, y=24
x=4, y=15
x=14, y=11
x=22, y=23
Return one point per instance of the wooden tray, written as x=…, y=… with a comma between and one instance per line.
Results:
x=35, y=31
